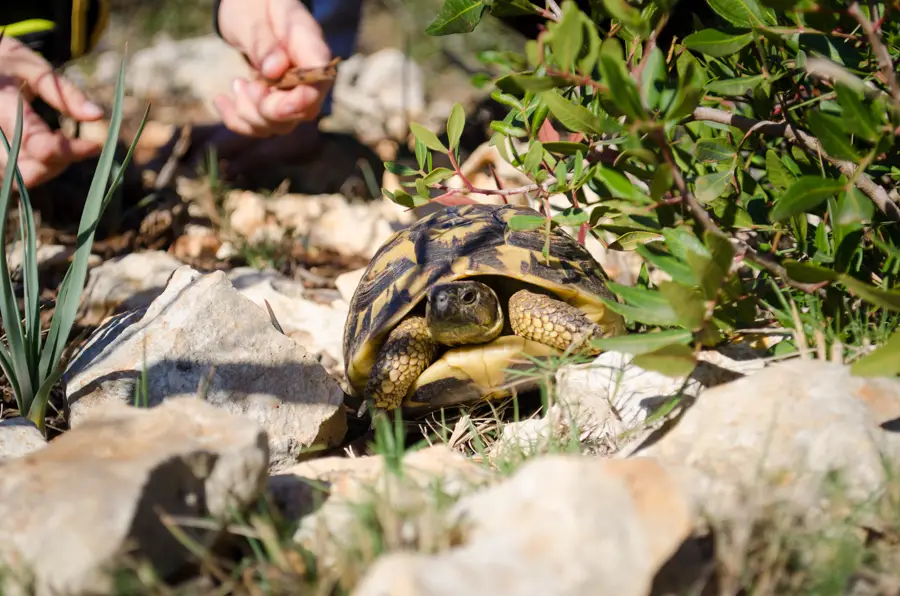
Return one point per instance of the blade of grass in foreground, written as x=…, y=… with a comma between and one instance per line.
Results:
x=28, y=239
x=70, y=291
x=21, y=378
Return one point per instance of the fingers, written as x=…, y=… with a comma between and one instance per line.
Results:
x=297, y=34
x=255, y=110
x=36, y=171
x=43, y=154
x=20, y=62
x=276, y=35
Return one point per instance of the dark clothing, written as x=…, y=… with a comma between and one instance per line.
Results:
x=62, y=30
x=59, y=30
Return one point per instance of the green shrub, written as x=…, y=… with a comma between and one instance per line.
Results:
x=752, y=162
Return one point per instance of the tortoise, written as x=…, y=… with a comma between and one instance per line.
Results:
x=448, y=305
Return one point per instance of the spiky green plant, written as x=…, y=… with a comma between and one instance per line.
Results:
x=31, y=365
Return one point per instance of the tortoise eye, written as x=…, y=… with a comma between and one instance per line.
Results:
x=468, y=297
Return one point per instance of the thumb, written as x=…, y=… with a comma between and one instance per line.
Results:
x=42, y=80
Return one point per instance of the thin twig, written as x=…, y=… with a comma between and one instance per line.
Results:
x=878, y=47
x=554, y=8
x=862, y=181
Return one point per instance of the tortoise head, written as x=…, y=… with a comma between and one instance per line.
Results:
x=463, y=312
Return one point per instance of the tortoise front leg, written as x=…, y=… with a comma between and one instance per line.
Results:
x=408, y=350
x=552, y=322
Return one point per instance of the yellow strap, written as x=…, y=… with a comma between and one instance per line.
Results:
x=26, y=27
x=79, y=35
x=102, y=19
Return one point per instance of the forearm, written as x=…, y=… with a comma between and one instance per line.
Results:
x=60, y=30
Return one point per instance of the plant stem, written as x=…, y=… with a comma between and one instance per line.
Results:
x=880, y=50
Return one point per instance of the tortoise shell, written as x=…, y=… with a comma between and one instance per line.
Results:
x=460, y=242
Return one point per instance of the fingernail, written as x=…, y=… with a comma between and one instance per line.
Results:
x=92, y=110
x=273, y=64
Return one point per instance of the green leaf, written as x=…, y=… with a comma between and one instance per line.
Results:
x=509, y=129
x=399, y=169
x=661, y=315
x=744, y=13
x=404, y=199
x=565, y=147
x=710, y=271
x=533, y=157
x=623, y=91
x=566, y=36
x=437, y=175
x=662, y=181
x=829, y=130
x=854, y=207
x=674, y=360
x=589, y=61
x=630, y=240
x=573, y=216
x=644, y=342
x=428, y=138
x=803, y=195
x=99, y=194
x=421, y=154
x=22, y=379
x=779, y=175
x=653, y=78
x=457, y=16
x=889, y=299
x=807, y=272
x=510, y=101
x=686, y=302
x=713, y=150
x=576, y=118
x=422, y=190
x=859, y=118
x=721, y=249
x=524, y=223
x=455, y=124
x=711, y=186
x=628, y=15
x=619, y=185
x=686, y=99
x=732, y=87
x=676, y=269
x=718, y=44
x=883, y=362
x=520, y=83
x=682, y=241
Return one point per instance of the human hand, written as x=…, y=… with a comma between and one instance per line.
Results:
x=43, y=153
x=275, y=35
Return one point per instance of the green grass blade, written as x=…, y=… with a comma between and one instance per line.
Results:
x=9, y=310
x=120, y=171
x=6, y=366
x=38, y=410
x=73, y=284
x=28, y=234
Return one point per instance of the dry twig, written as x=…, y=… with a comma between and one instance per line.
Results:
x=881, y=51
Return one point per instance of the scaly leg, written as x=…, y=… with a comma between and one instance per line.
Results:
x=407, y=351
x=552, y=322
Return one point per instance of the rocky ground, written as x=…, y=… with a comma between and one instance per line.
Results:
x=199, y=448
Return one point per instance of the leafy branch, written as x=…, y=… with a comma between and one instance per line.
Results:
x=747, y=162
